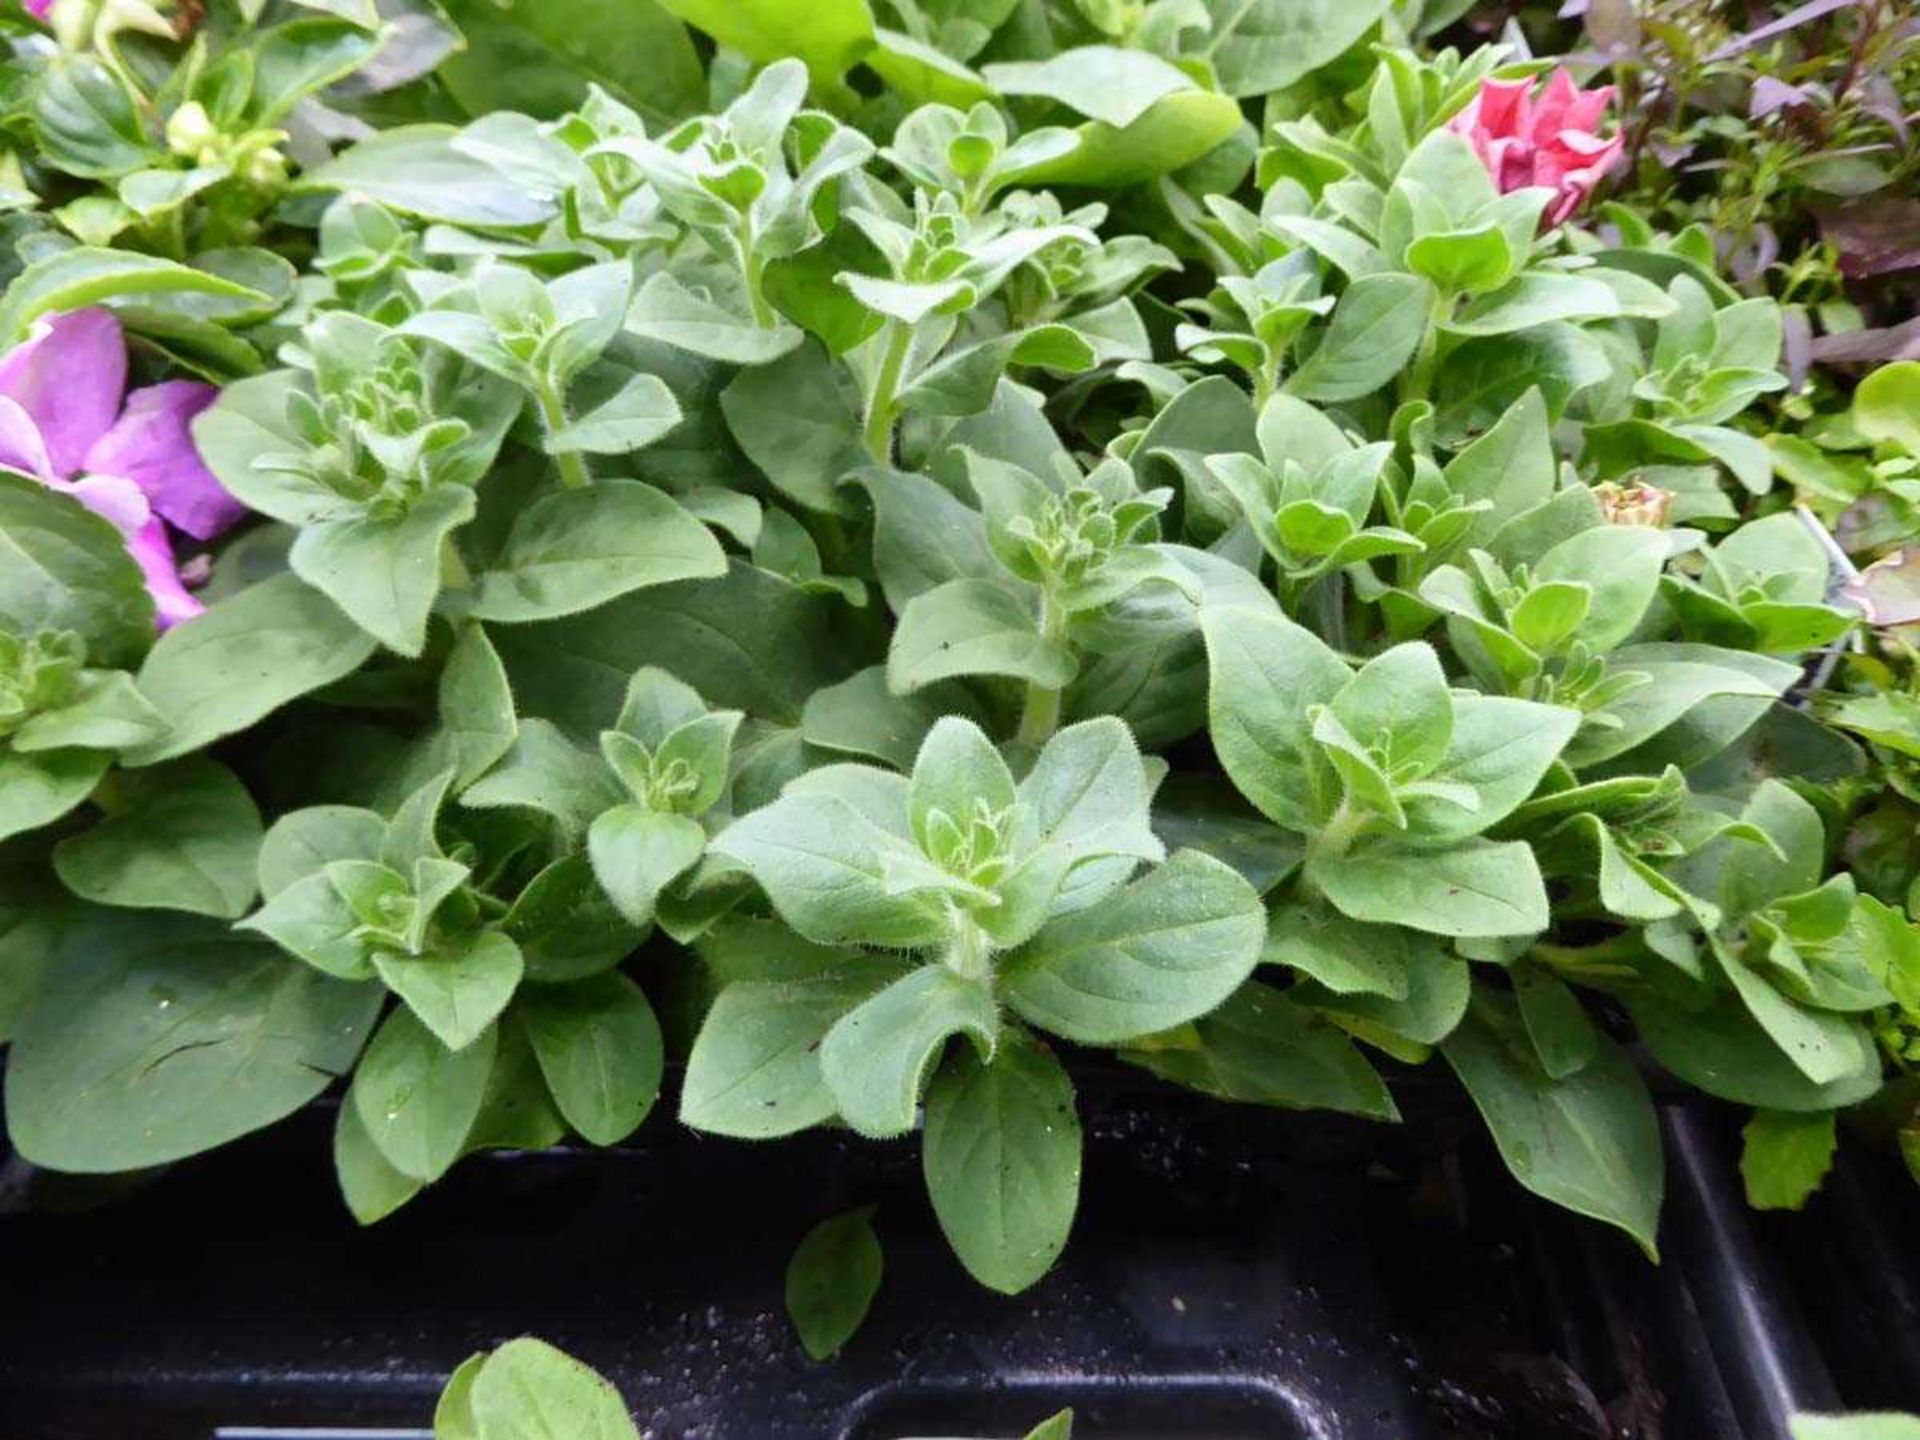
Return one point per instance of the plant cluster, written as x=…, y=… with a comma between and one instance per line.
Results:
x=1014, y=530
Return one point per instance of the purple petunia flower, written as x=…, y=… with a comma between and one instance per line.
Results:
x=66, y=420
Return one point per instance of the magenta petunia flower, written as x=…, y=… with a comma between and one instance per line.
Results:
x=1550, y=139
x=67, y=420
x=38, y=8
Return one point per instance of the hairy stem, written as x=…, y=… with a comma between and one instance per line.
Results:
x=553, y=413
x=969, y=955
x=753, y=273
x=883, y=404
x=1336, y=837
x=1040, y=714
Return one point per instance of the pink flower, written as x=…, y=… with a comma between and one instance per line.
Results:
x=1548, y=140
x=37, y=8
x=66, y=420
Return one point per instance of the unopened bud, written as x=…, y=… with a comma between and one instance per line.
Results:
x=1646, y=505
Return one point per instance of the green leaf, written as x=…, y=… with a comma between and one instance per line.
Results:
x=37, y=788
x=87, y=121
x=835, y=875
x=154, y=1038
x=665, y=310
x=107, y=712
x=527, y=56
x=1563, y=1035
x=458, y=988
x=1479, y=889
x=32, y=912
x=1438, y=988
x=294, y=60
x=184, y=836
x=973, y=627
x=246, y=657
x=1723, y=1051
x=963, y=383
x=546, y=772
x=1500, y=751
x=831, y=1281
x=862, y=717
x=1886, y=1426
x=1398, y=705
x=1621, y=565
x=74, y=279
x=1784, y=1156
x=1886, y=407
x=476, y=706
x=783, y=644
x=418, y=170
x=1102, y=82
x=1341, y=954
x=1375, y=329
x=1002, y=1160
x=637, y=853
x=453, y=1415
x=372, y=1188
x=1166, y=949
x=1589, y=1141
x=798, y=425
x=922, y=74
x=1175, y=132
x=1260, y=46
x=829, y=35
x=1512, y=466
x=1535, y=297
x=876, y=1057
x=1086, y=800
x=384, y=570
x=923, y=537
x=417, y=1098
x=1822, y=1045
x=1266, y=673
x=566, y=926
x=310, y=919
x=1463, y=262
x=956, y=769
x=599, y=1048
x=527, y=1390
x=632, y=418
x=1682, y=679
x=754, y=1071
x=1754, y=876
x=1261, y=1048
x=578, y=549
x=62, y=567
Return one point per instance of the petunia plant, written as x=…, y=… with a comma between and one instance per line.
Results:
x=1021, y=898
x=853, y=564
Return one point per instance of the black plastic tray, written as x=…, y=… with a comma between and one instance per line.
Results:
x=1234, y=1274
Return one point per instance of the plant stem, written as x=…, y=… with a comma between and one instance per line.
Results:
x=883, y=403
x=969, y=955
x=1420, y=379
x=553, y=412
x=1040, y=714
x=453, y=570
x=1336, y=837
x=753, y=272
